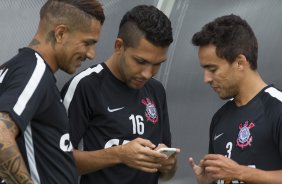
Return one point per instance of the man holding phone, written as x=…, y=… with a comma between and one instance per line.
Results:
x=120, y=111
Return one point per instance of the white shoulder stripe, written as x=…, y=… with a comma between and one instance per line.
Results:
x=75, y=81
x=31, y=85
x=274, y=93
x=3, y=72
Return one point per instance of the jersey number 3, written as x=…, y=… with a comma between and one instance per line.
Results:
x=229, y=147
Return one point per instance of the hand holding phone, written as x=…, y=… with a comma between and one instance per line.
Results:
x=167, y=151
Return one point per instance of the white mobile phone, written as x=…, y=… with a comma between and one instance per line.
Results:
x=167, y=151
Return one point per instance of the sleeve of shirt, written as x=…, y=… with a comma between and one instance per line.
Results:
x=211, y=133
x=167, y=133
x=211, y=151
x=216, y=117
x=277, y=130
x=21, y=91
x=273, y=115
x=76, y=104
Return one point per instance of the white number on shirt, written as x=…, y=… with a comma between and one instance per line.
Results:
x=137, y=124
x=229, y=146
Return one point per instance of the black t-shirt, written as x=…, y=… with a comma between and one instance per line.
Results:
x=251, y=134
x=28, y=92
x=105, y=112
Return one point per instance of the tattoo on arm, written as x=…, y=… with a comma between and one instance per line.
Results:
x=12, y=166
x=8, y=124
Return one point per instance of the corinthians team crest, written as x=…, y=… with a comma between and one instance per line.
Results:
x=244, y=137
x=151, y=111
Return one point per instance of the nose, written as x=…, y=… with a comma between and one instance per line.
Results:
x=148, y=72
x=91, y=53
x=207, y=77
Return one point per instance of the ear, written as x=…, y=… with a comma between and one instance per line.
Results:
x=59, y=32
x=241, y=62
x=119, y=47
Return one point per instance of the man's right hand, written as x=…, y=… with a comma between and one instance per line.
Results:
x=140, y=154
x=199, y=171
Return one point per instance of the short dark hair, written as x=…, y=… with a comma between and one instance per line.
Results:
x=148, y=22
x=232, y=36
x=75, y=13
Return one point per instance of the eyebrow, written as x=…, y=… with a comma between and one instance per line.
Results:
x=91, y=41
x=146, y=61
x=208, y=66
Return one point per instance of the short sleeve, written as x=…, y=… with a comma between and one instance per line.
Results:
x=76, y=104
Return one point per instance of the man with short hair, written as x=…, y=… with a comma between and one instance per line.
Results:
x=119, y=111
x=245, y=133
x=35, y=144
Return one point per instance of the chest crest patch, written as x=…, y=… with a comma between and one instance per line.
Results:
x=244, y=137
x=151, y=111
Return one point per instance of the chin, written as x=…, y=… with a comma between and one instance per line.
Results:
x=134, y=86
x=69, y=71
x=225, y=97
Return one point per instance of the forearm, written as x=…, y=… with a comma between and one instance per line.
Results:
x=12, y=166
x=91, y=161
x=169, y=170
x=168, y=175
x=255, y=176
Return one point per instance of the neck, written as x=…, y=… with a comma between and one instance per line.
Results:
x=45, y=50
x=112, y=64
x=249, y=88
